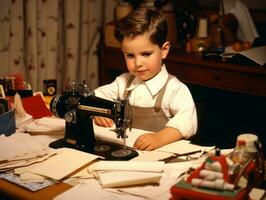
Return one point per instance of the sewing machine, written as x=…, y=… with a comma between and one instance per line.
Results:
x=78, y=106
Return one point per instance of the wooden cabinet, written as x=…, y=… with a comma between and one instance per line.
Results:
x=230, y=97
x=192, y=69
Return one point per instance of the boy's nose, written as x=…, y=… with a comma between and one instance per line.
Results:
x=138, y=62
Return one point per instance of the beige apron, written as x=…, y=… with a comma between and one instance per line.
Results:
x=148, y=118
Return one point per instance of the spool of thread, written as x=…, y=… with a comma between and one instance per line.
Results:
x=203, y=28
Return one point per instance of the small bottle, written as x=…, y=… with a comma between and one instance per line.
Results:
x=239, y=157
x=240, y=154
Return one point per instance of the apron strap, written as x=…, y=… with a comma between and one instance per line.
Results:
x=126, y=92
x=159, y=99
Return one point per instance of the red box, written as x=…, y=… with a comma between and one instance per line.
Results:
x=185, y=191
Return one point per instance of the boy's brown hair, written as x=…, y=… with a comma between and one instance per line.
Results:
x=140, y=21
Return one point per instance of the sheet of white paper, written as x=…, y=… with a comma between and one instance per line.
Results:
x=144, y=166
x=107, y=134
x=151, y=155
x=257, y=54
x=84, y=174
x=183, y=146
x=46, y=125
x=64, y=163
x=151, y=191
x=91, y=190
x=127, y=178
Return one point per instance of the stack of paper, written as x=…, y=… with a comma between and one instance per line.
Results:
x=20, y=150
x=127, y=173
x=27, y=161
x=144, y=166
x=127, y=178
x=46, y=125
x=63, y=164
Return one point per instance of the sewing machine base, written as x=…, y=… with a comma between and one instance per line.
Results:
x=108, y=150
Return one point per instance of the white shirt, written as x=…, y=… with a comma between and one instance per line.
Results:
x=177, y=103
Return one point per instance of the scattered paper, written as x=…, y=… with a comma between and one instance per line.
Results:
x=31, y=186
x=144, y=166
x=46, y=125
x=91, y=190
x=20, y=146
x=127, y=178
x=64, y=163
x=256, y=54
x=151, y=155
x=184, y=146
x=107, y=134
x=29, y=177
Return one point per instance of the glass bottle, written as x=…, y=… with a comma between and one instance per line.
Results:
x=254, y=148
x=239, y=158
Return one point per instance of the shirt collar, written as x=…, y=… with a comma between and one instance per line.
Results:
x=155, y=84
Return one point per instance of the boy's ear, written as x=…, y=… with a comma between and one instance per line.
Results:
x=165, y=49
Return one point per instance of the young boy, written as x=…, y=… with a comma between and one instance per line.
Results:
x=160, y=103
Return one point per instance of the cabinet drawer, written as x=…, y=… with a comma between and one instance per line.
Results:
x=219, y=78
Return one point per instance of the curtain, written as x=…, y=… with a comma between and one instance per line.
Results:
x=51, y=39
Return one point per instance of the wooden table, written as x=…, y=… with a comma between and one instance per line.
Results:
x=10, y=190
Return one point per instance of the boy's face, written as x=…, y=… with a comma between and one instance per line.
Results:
x=143, y=58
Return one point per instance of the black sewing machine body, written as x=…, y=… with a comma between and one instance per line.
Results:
x=78, y=107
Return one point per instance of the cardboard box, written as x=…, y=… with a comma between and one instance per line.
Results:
x=109, y=39
x=7, y=123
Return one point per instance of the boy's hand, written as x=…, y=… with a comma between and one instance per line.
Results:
x=148, y=142
x=151, y=141
x=103, y=121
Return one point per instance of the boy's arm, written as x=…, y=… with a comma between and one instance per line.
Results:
x=103, y=121
x=151, y=141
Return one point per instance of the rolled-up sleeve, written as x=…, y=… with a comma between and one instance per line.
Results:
x=183, y=110
x=113, y=90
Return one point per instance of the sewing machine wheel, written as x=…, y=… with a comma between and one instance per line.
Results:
x=121, y=153
x=101, y=148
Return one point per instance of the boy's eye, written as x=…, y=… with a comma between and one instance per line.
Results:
x=146, y=54
x=129, y=55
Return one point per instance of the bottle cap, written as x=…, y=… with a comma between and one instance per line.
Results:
x=241, y=142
